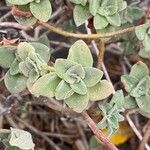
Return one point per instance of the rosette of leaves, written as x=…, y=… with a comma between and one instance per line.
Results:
x=106, y=13
x=26, y=63
x=137, y=84
x=40, y=10
x=75, y=80
x=143, y=34
x=111, y=113
x=16, y=139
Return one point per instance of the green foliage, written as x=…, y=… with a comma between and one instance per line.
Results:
x=111, y=113
x=78, y=78
x=40, y=10
x=16, y=139
x=106, y=13
x=26, y=63
x=143, y=34
x=137, y=85
x=94, y=144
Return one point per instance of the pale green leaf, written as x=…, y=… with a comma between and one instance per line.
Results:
x=141, y=31
x=79, y=87
x=23, y=50
x=14, y=69
x=16, y=83
x=100, y=22
x=7, y=56
x=129, y=82
x=62, y=65
x=146, y=42
x=143, y=103
x=100, y=91
x=92, y=76
x=45, y=85
x=77, y=102
x=93, y=6
x=44, y=40
x=26, y=21
x=42, y=10
x=139, y=70
x=42, y=50
x=80, y=53
x=114, y=20
x=81, y=14
x=63, y=91
x=21, y=139
x=130, y=102
x=19, y=2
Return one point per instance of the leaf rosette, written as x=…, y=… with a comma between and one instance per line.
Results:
x=40, y=10
x=26, y=63
x=137, y=85
x=74, y=80
x=80, y=82
x=106, y=13
x=111, y=113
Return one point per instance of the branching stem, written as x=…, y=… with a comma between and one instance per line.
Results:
x=85, y=36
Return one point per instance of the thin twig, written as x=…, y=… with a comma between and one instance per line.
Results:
x=85, y=36
x=145, y=138
x=132, y=125
x=97, y=132
x=38, y=133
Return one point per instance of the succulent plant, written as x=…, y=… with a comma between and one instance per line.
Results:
x=137, y=85
x=74, y=80
x=40, y=10
x=106, y=13
x=26, y=63
x=111, y=113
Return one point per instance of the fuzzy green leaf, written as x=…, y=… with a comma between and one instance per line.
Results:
x=100, y=22
x=77, y=102
x=42, y=50
x=114, y=20
x=14, y=69
x=100, y=91
x=79, y=88
x=44, y=40
x=82, y=2
x=130, y=102
x=42, y=10
x=93, y=6
x=16, y=83
x=139, y=70
x=26, y=21
x=45, y=85
x=7, y=56
x=129, y=82
x=63, y=91
x=143, y=103
x=141, y=31
x=62, y=65
x=21, y=139
x=80, y=53
x=81, y=14
x=19, y=2
x=92, y=76
x=146, y=42
x=23, y=50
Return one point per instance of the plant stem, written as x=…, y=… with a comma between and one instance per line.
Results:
x=85, y=36
x=108, y=145
x=101, y=54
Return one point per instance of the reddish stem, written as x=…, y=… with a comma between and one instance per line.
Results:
x=17, y=12
x=108, y=145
